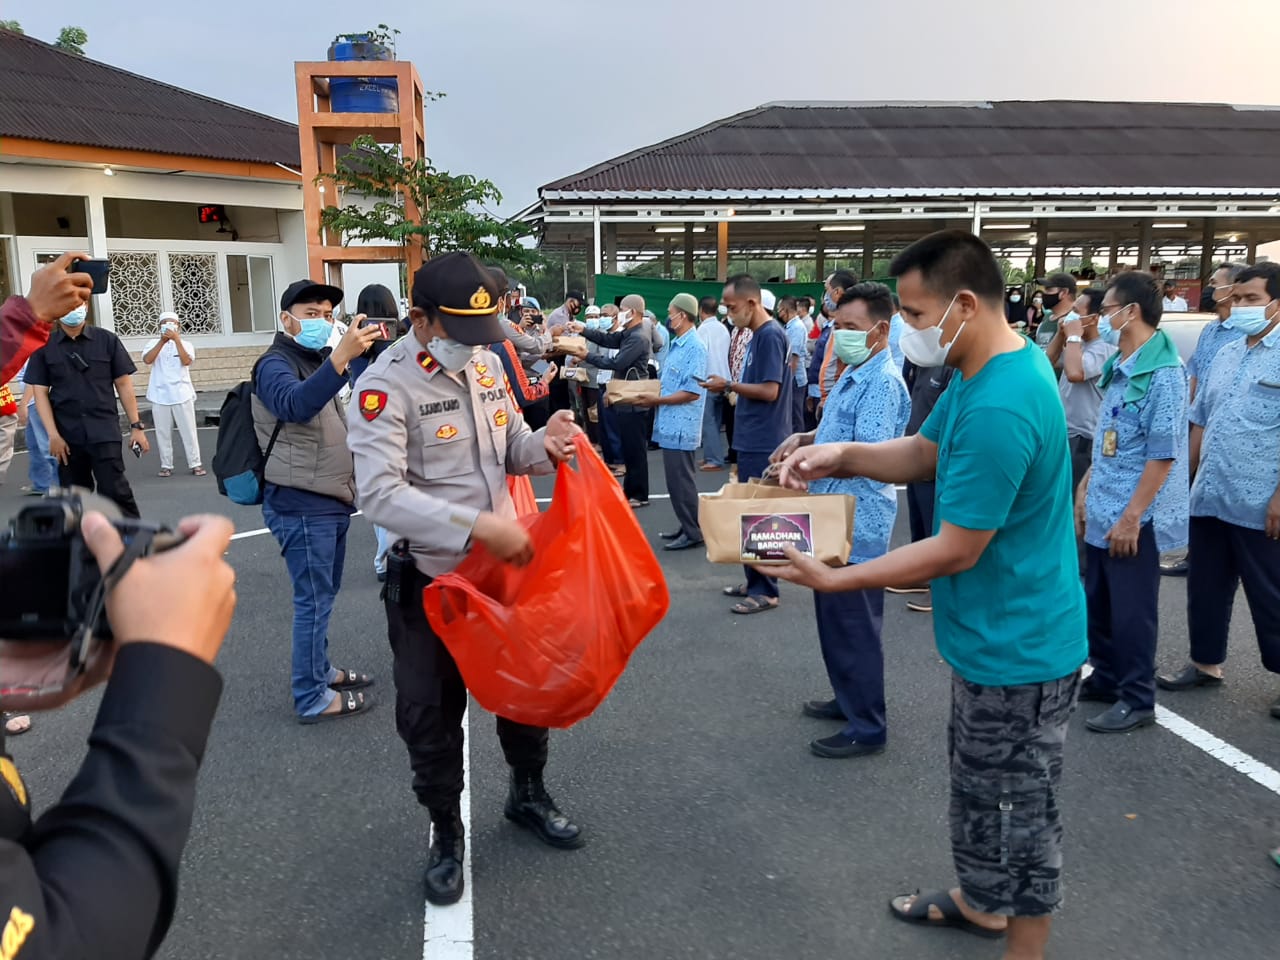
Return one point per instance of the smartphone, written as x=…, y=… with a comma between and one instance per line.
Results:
x=136, y=447
x=380, y=324
x=99, y=270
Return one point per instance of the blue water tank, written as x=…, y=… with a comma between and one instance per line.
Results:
x=361, y=94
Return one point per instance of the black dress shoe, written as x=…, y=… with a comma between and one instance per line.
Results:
x=681, y=543
x=530, y=806
x=672, y=536
x=823, y=710
x=443, y=879
x=1175, y=568
x=1186, y=678
x=1121, y=718
x=838, y=747
x=1091, y=693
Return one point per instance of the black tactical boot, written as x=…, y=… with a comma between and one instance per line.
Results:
x=529, y=805
x=443, y=877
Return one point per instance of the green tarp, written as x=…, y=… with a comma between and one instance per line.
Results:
x=658, y=293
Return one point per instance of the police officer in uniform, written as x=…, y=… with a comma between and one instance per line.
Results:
x=434, y=433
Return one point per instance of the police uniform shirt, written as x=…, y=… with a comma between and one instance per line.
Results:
x=80, y=373
x=433, y=449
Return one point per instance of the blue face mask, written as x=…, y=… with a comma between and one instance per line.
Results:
x=76, y=317
x=314, y=333
x=1249, y=320
x=828, y=303
x=1109, y=333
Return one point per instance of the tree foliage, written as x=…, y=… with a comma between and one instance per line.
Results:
x=72, y=40
x=455, y=207
x=11, y=25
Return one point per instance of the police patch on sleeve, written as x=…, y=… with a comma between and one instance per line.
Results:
x=500, y=418
x=372, y=403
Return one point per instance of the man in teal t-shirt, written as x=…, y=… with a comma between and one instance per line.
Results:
x=1009, y=612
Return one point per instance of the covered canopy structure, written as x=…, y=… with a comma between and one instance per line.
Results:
x=1045, y=180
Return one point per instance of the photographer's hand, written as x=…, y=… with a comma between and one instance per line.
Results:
x=197, y=584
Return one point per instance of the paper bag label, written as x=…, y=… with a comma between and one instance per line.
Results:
x=764, y=535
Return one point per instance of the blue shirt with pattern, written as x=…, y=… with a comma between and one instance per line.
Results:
x=797, y=344
x=679, y=426
x=1238, y=404
x=1213, y=338
x=895, y=335
x=868, y=404
x=1148, y=429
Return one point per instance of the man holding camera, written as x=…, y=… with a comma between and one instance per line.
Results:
x=97, y=873
x=77, y=376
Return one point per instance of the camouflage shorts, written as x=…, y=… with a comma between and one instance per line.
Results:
x=1005, y=745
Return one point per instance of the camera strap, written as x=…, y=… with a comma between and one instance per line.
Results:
x=138, y=545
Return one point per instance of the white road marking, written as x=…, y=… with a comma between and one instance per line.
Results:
x=261, y=530
x=449, y=932
x=1251, y=767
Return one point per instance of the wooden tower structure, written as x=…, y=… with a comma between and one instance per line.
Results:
x=321, y=132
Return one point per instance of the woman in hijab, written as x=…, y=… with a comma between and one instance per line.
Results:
x=1014, y=309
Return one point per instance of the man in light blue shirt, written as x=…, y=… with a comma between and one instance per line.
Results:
x=677, y=426
x=1134, y=501
x=715, y=337
x=797, y=357
x=868, y=404
x=1235, y=502
x=895, y=335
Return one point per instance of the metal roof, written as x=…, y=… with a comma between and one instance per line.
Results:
x=53, y=96
x=833, y=150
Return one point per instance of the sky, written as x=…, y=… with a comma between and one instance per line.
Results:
x=540, y=89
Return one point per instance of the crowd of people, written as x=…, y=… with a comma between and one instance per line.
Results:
x=1114, y=453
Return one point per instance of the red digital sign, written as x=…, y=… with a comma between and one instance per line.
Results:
x=213, y=213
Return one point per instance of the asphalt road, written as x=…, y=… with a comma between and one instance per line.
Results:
x=712, y=832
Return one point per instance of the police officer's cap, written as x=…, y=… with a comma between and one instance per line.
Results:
x=463, y=294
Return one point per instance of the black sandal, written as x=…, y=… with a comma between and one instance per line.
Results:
x=918, y=913
x=750, y=605
x=352, y=680
x=739, y=591
x=352, y=703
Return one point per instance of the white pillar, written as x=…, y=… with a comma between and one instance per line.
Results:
x=598, y=262
x=96, y=224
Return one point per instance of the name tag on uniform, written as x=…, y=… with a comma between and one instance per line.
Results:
x=1110, y=442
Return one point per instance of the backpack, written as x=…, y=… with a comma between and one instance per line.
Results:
x=238, y=461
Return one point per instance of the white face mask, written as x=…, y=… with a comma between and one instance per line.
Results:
x=624, y=317
x=451, y=354
x=167, y=326
x=924, y=347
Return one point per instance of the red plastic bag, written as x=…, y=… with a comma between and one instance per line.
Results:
x=544, y=644
x=522, y=495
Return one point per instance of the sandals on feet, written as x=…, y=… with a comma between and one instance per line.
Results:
x=739, y=591
x=951, y=916
x=351, y=680
x=166, y=472
x=199, y=472
x=751, y=605
x=352, y=703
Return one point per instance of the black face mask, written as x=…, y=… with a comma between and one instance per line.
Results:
x=1051, y=300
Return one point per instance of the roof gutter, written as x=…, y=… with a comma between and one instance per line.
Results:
x=906, y=193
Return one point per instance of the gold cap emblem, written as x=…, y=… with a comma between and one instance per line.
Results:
x=480, y=300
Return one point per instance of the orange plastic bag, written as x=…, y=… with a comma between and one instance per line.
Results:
x=522, y=495
x=544, y=644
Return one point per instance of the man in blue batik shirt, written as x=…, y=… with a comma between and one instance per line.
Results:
x=1235, y=502
x=677, y=426
x=797, y=358
x=868, y=404
x=1132, y=502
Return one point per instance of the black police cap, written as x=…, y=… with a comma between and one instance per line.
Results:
x=464, y=294
x=308, y=291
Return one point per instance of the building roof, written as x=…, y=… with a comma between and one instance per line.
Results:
x=50, y=95
x=871, y=149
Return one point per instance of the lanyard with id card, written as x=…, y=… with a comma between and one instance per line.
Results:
x=1110, y=438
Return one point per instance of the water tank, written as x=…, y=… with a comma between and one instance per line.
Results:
x=361, y=94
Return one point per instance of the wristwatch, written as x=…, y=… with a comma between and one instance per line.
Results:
x=137, y=425
x=1075, y=339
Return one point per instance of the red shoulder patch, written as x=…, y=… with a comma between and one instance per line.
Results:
x=427, y=361
x=372, y=403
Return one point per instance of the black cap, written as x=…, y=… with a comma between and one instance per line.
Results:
x=1059, y=279
x=308, y=291
x=464, y=294
x=577, y=295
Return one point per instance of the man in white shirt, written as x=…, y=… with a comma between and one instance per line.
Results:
x=171, y=394
x=1172, y=302
x=715, y=337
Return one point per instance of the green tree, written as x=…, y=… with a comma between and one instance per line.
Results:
x=11, y=25
x=72, y=40
x=455, y=207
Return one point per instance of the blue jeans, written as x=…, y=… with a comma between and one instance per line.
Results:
x=384, y=544
x=712, y=441
x=42, y=469
x=314, y=549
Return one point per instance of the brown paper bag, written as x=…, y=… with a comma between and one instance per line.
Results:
x=625, y=391
x=564, y=344
x=751, y=522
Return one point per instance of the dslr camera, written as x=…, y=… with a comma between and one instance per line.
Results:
x=53, y=589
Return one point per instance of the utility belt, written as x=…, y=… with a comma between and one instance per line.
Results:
x=405, y=582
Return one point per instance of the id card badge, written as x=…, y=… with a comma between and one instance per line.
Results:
x=1110, y=441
